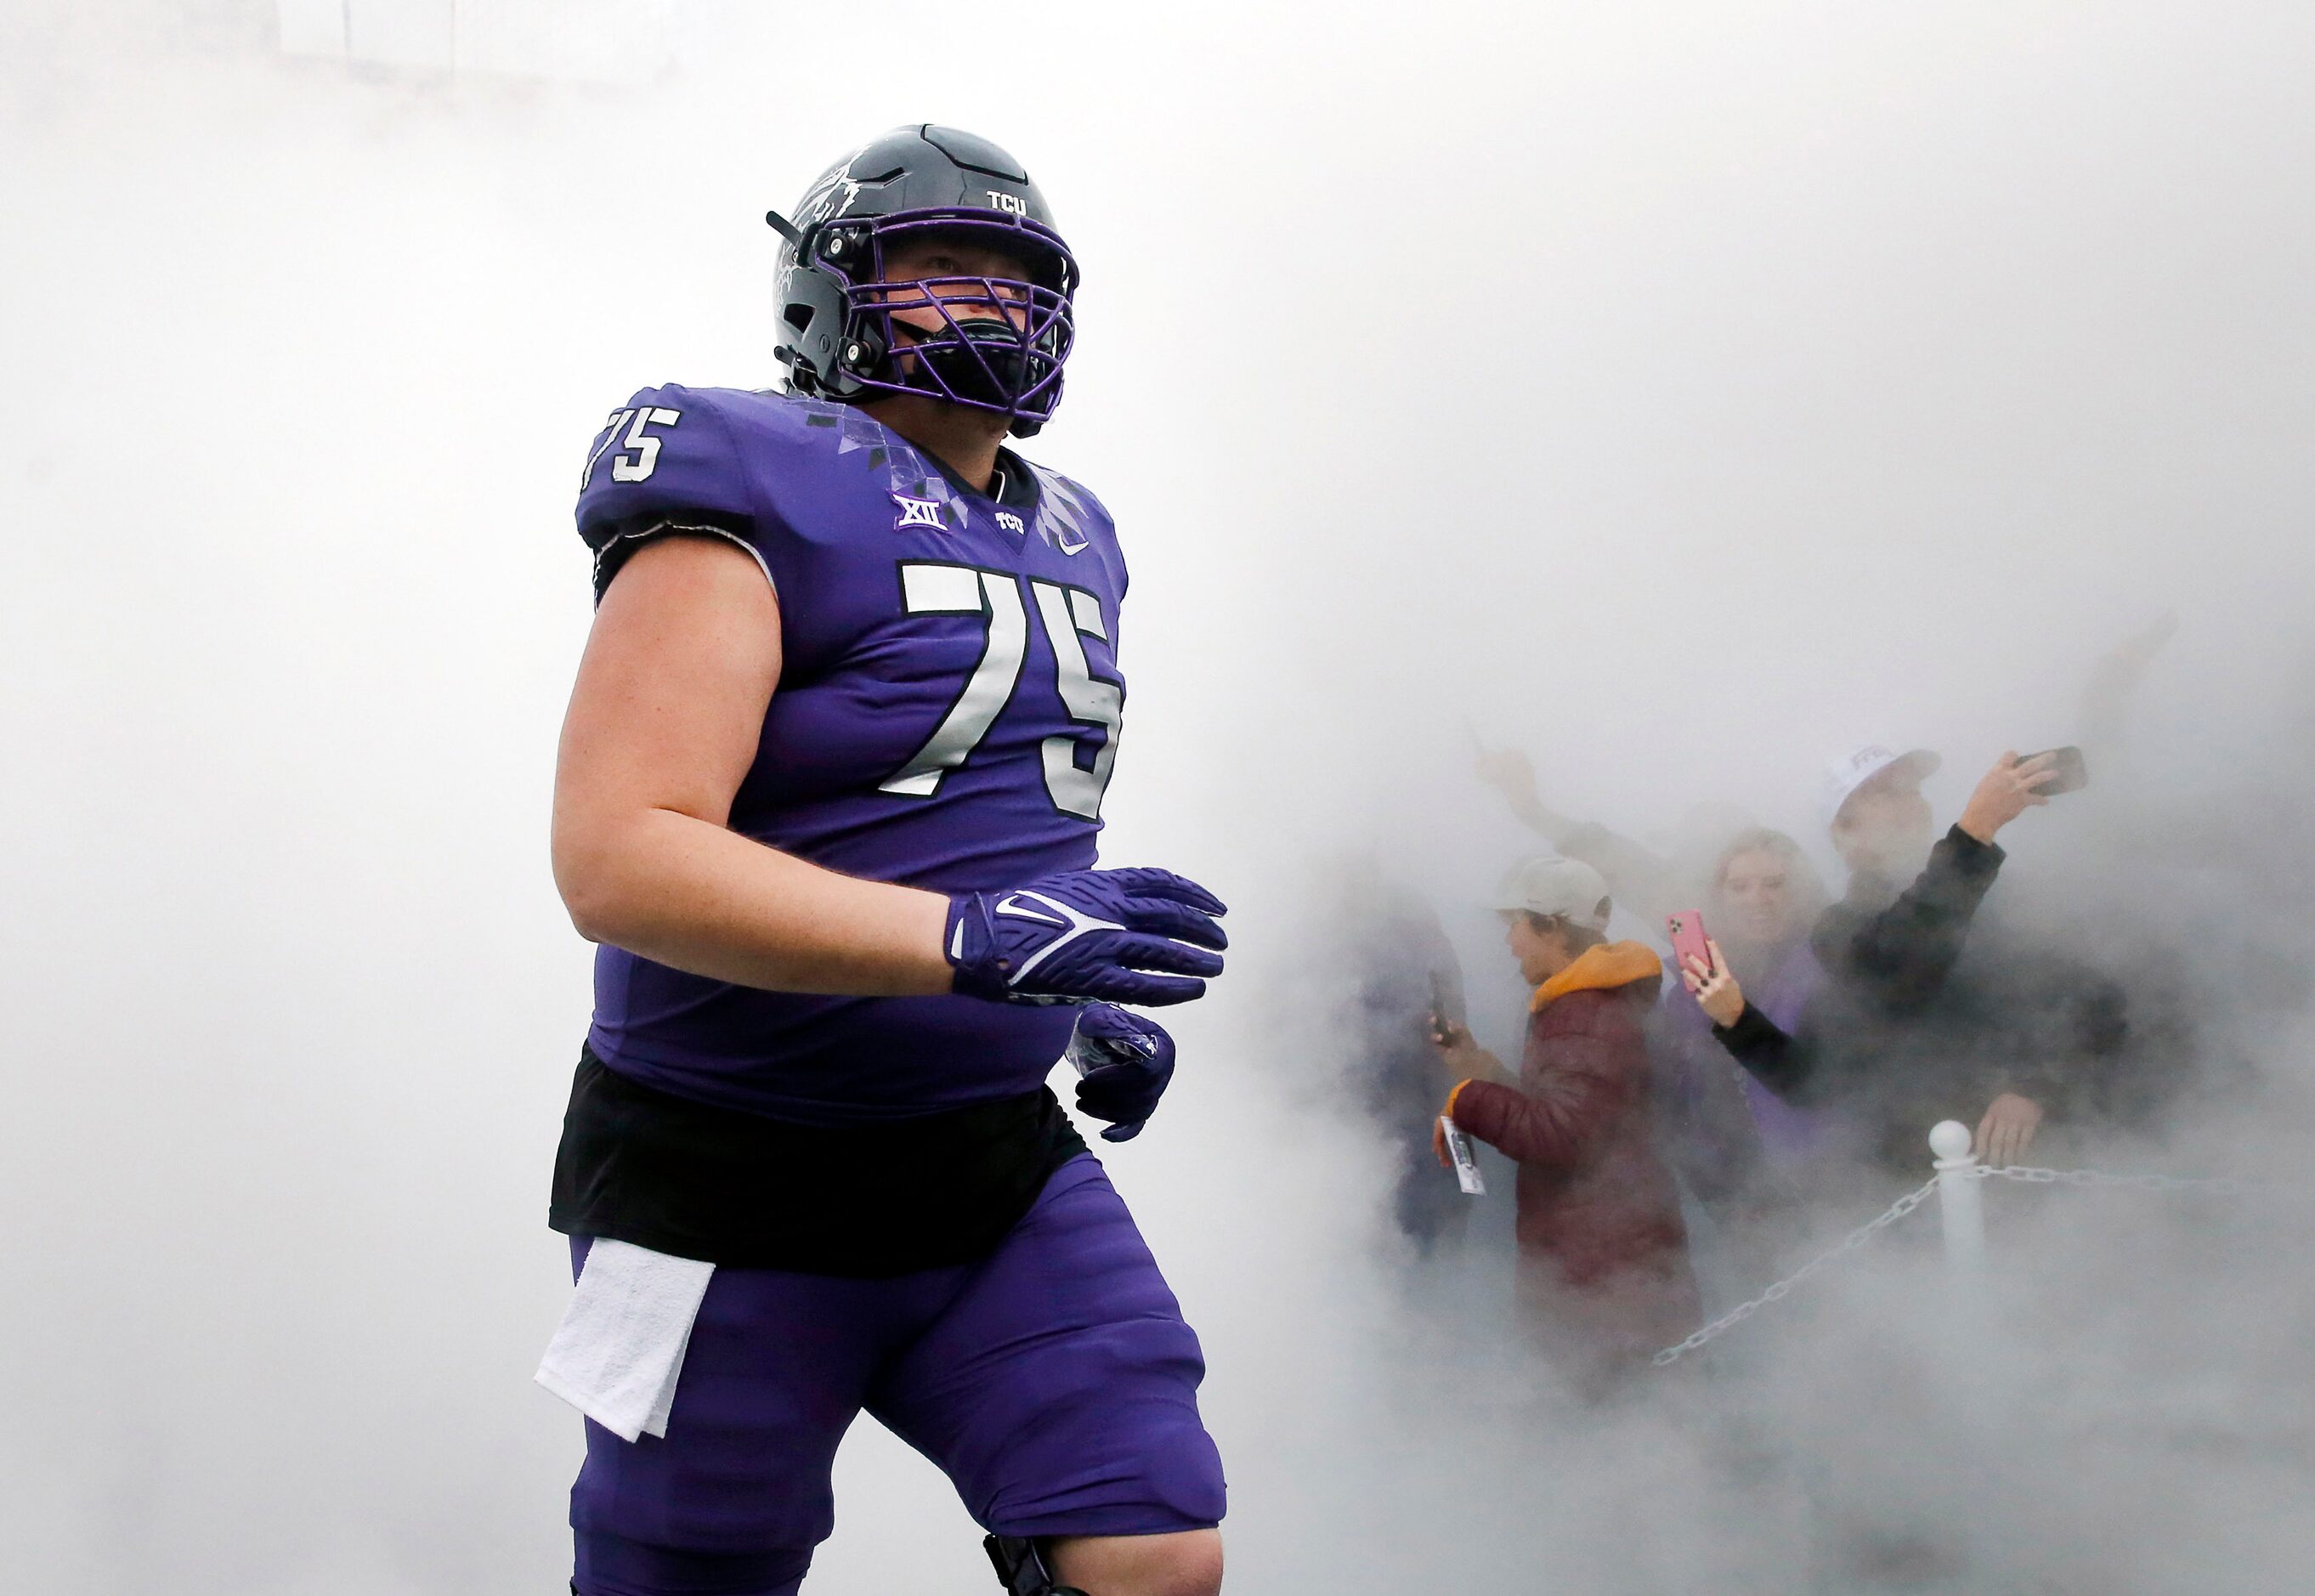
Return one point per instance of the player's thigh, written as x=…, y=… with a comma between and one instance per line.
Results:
x=1058, y=1389
x=778, y=1366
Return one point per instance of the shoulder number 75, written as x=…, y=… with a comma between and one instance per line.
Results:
x=630, y=467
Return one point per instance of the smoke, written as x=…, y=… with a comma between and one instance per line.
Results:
x=1682, y=392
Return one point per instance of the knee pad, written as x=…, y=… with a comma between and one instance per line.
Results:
x=1021, y=1568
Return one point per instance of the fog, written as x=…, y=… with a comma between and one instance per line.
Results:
x=1682, y=392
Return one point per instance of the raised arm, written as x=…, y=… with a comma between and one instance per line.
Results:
x=1640, y=877
x=1511, y=773
x=2115, y=682
x=662, y=727
x=1900, y=956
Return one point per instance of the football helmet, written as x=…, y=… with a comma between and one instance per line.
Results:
x=1001, y=343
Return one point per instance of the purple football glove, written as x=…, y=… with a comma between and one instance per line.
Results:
x=1124, y=1063
x=1119, y=936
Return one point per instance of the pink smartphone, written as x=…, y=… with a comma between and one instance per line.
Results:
x=1687, y=927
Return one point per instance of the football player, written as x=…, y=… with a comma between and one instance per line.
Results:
x=827, y=800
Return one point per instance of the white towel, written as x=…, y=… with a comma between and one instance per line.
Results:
x=619, y=1349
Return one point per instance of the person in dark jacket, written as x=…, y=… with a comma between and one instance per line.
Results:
x=1889, y=1036
x=1403, y=979
x=1603, y=1270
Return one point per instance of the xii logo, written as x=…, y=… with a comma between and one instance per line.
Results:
x=918, y=512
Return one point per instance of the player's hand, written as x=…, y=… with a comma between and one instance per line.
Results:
x=2008, y=790
x=1124, y=1064
x=1112, y=936
x=2006, y=1131
x=1715, y=989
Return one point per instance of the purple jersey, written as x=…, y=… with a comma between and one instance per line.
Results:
x=947, y=712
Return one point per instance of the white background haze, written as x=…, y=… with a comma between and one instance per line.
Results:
x=1682, y=391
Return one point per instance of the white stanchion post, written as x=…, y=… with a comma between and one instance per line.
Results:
x=1961, y=1201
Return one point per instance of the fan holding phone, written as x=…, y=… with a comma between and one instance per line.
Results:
x=1764, y=898
x=1897, y=1044
x=1603, y=1261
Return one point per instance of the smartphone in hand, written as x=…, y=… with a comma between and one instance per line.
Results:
x=1688, y=939
x=2073, y=771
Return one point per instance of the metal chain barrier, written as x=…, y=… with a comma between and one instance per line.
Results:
x=2098, y=1177
x=1846, y=1245
x=2215, y=1186
x=2027, y=1175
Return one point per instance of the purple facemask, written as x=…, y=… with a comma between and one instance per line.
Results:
x=1000, y=343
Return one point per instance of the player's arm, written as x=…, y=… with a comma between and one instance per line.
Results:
x=662, y=727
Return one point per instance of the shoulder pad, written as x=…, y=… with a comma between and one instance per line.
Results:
x=667, y=453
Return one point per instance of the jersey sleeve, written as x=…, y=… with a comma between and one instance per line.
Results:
x=665, y=463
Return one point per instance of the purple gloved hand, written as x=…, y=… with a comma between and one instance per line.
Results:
x=1077, y=935
x=1124, y=1064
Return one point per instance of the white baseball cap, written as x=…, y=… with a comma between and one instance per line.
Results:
x=1853, y=769
x=1563, y=889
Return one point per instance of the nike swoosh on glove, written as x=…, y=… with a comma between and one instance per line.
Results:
x=1087, y=935
x=1124, y=1064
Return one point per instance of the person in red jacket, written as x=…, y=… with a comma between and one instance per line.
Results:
x=1604, y=1271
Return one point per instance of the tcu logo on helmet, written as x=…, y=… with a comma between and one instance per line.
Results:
x=1011, y=204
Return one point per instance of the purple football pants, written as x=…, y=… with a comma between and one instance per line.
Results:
x=1054, y=1382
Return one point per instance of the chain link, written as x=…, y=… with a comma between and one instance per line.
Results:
x=1777, y=1293
x=2218, y=1187
x=2026, y=1174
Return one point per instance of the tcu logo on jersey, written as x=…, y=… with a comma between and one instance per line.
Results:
x=918, y=512
x=1011, y=522
x=1011, y=204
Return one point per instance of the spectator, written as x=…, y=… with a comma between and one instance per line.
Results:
x=1730, y=1138
x=1888, y=1035
x=1404, y=980
x=1603, y=1261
